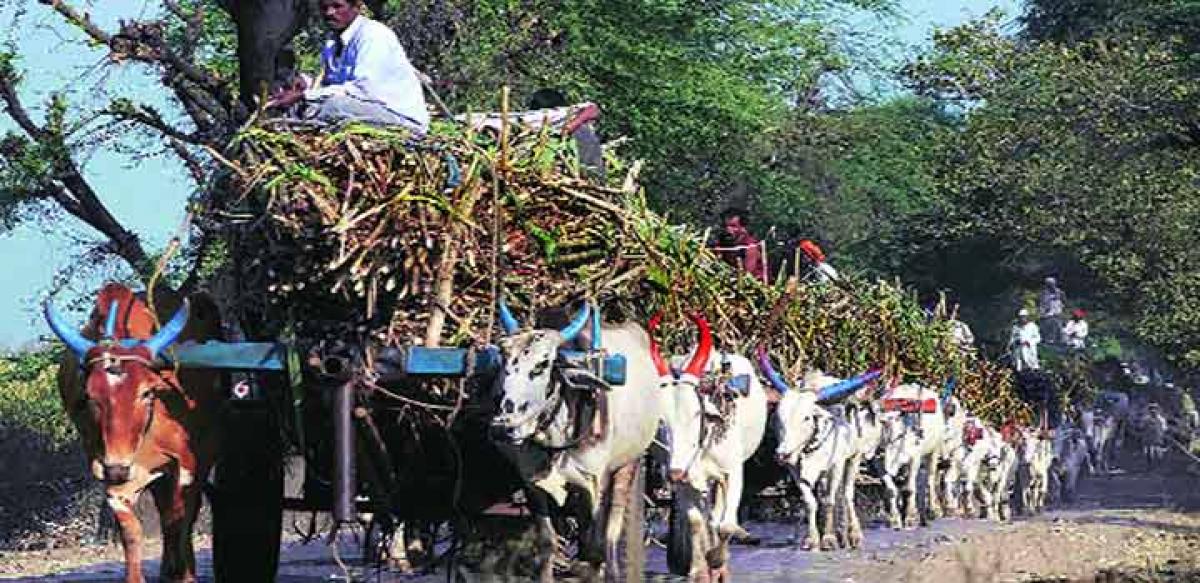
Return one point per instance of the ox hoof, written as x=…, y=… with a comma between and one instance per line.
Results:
x=721, y=575
x=829, y=543
x=402, y=566
x=854, y=539
x=809, y=543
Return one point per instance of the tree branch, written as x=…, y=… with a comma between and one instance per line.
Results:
x=149, y=117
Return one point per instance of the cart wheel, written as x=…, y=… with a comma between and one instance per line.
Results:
x=679, y=530
x=247, y=496
x=635, y=526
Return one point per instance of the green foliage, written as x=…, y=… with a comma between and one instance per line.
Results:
x=1087, y=149
x=29, y=396
x=701, y=88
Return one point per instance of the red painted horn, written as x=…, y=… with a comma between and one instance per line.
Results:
x=699, y=363
x=655, y=353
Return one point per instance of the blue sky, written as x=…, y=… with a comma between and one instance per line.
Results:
x=148, y=196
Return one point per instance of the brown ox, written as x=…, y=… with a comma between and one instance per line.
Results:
x=143, y=426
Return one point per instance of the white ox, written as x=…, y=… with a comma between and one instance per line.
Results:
x=988, y=465
x=1100, y=430
x=817, y=448
x=913, y=430
x=533, y=381
x=716, y=415
x=949, y=461
x=1035, y=453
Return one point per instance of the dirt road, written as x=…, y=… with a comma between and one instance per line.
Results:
x=1141, y=525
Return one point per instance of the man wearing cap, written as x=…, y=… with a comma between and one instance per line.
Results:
x=1024, y=342
x=1076, y=331
x=819, y=270
x=1050, y=310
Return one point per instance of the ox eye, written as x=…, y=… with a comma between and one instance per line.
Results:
x=539, y=369
x=148, y=396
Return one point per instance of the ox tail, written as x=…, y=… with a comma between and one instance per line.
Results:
x=679, y=530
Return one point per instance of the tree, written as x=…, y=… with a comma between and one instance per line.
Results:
x=701, y=88
x=1086, y=149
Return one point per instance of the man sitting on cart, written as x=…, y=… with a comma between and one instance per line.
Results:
x=366, y=75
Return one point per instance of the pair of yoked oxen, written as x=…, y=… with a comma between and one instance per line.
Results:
x=146, y=426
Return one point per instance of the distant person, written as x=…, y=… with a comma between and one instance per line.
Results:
x=1024, y=342
x=1075, y=332
x=1187, y=409
x=1051, y=303
x=738, y=247
x=366, y=75
x=819, y=270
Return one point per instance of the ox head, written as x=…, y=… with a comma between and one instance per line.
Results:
x=796, y=416
x=527, y=383
x=685, y=406
x=121, y=386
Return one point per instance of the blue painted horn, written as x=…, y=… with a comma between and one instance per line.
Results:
x=576, y=326
x=110, y=323
x=66, y=332
x=842, y=389
x=773, y=376
x=507, y=320
x=170, y=332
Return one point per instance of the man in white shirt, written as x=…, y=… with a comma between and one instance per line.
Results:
x=367, y=75
x=1024, y=343
x=1076, y=331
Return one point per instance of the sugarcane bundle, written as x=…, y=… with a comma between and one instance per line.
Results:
x=364, y=233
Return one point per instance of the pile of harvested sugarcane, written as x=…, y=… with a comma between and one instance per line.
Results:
x=366, y=235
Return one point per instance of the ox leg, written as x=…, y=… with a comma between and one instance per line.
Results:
x=933, y=503
x=812, y=539
x=131, y=534
x=619, y=499
x=893, y=501
x=829, y=500
x=397, y=554
x=717, y=556
x=851, y=531
x=732, y=498
x=950, y=498
x=547, y=543
x=912, y=514
x=177, y=507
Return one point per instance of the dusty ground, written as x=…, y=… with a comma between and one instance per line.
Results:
x=1134, y=526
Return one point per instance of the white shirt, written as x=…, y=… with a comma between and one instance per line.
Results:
x=374, y=67
x=962, y=334
x=1075, y=332
x=824, y=272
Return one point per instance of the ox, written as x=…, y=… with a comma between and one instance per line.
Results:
x=1035, y=453
x=602, y=458
x=987, y=464
x=1100, y=431
x=817, y=447
x=913, y=430
x=716, y=415
x=1070, y=459
x=1151, y=427
x=143, y=427
x=948, y=462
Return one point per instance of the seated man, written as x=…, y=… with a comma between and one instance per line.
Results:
x=366, y=74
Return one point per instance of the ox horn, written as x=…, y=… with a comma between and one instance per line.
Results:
x=67, y=333
x=170, y=331
x=110, y=323
x=576, y=326
x=507, y=320
x=664, y=371
x=699, y=362
x=776, y=379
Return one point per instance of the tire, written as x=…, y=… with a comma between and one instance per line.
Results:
x=247, y=496
x=635, y=527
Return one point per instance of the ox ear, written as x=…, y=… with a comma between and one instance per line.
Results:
x=170, y=331
x=66, y=332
